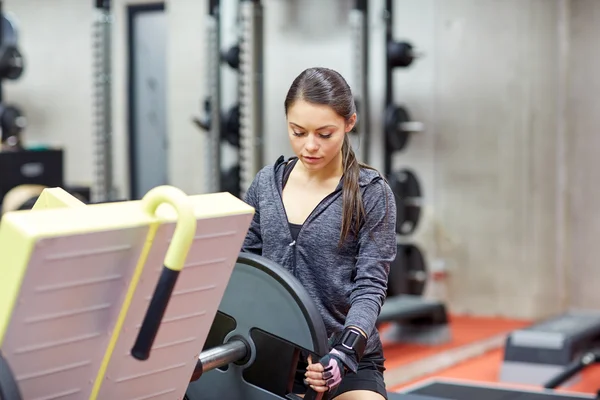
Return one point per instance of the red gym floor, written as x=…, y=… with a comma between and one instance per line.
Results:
x=485, y=368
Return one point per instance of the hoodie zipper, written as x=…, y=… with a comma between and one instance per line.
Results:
x=294, y=243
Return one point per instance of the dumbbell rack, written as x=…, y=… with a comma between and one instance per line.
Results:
x=103, y=187
x=408, y=276
x=359, y=20
x=242, y=125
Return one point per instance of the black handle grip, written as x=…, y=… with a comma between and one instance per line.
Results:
x=313, y=395
x=154, y=314
x=568, y=372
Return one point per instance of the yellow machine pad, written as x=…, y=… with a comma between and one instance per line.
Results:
x=65, y=269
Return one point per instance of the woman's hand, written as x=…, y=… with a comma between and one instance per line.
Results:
x=322, y=378
x=314, y=376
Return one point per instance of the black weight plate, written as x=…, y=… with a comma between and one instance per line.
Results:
x=230, y=126
x=262, y=296
x=408, y=272
x=230, y=180
x=11, y=62
x=407, y=218
x=9, y=31
x=399, y=54
x=406, y=184
x=8, y=386
x=407, y=193
x=396, y=138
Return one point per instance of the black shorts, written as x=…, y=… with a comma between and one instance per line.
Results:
x=369, y=376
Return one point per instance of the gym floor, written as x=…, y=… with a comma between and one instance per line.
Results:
x=478, y=342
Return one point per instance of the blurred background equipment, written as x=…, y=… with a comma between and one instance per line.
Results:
x=103, y=186
x=359, y=24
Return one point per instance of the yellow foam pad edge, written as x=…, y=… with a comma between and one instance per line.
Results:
x=57, y=215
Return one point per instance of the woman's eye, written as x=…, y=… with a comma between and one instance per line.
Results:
x=298, y=133
x=325, y=136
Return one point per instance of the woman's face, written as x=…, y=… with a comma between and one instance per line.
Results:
x=316, y=133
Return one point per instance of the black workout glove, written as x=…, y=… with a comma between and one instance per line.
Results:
x=347, y=350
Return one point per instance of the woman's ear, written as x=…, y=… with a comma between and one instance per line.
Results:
x=350, y=123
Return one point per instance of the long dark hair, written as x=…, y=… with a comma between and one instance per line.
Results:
x=325, y=86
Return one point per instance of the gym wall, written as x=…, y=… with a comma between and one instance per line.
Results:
x=581, y=191
x=505, y=90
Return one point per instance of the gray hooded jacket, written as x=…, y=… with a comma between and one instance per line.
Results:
x=348, y=284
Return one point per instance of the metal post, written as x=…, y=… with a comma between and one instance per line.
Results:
x=251, y=91
x=359, y=20
x=103, y=188
x=212, y=151
x=389, y=82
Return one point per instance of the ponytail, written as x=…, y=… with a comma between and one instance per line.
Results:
x=353, y=210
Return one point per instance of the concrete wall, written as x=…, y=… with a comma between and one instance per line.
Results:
x=487, y=91
x=583, y=175
x=503, y=213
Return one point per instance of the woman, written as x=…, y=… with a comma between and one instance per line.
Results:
x=330, y=220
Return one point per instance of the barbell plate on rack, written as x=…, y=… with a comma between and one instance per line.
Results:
x=266, y=306
x=399, y=127
x=230, y=180
x=408, y=272
x=407, y=191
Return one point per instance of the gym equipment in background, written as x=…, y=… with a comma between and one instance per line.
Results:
x=413, y=318
x=103, y=186
x=397, y=123
x=12, y=124
x=12, y=64
x=28, y=167
x=211, y=121
x=251, y=78
x=408, y=272
x=588, y=358
x=463, y=390
x=407, y=190
x=241, y=125
x=12, y=120
x=359, y=23
x=538, y=353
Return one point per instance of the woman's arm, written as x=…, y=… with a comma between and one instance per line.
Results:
x=253, y=240
x=377, y=250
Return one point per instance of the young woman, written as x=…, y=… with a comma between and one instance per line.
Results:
x=331, y=221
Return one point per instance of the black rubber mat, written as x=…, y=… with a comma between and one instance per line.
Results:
x=454, y=391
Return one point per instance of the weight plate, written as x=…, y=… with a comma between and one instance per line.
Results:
x=408, y=272
x=9, y=31
x=9, y=389
x=396, y=138
x=407, y=191
x=230, y=180
x=399, y=54
x=230, y=126
x=11, y=62
x=264, y=304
